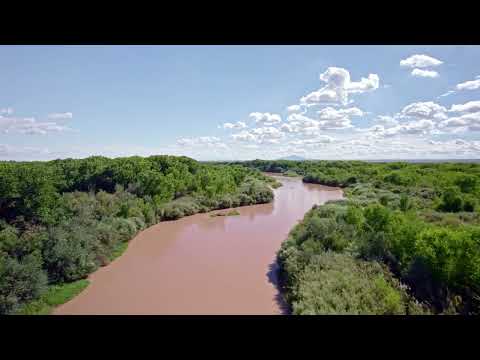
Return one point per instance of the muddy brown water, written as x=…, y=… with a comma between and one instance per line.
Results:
x=202, y=264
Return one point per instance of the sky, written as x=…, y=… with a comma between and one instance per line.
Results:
x=240, y=102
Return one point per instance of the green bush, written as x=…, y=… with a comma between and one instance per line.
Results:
x=451, y=200
x=337, y=284
x=68, y=254
x=20, y=281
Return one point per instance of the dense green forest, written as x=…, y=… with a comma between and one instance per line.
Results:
x=406, y=240
x=60, y=220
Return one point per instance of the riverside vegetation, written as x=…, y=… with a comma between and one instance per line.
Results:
x=61, y=220
x=406, y=240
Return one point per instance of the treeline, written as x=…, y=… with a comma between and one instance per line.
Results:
x=406, y=240
x=60, y=220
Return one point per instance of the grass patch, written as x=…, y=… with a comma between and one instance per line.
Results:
x=119, y=250
x=276, y=185
x=55, y=295
x=230, y=213
x=60, y=294
x=290, y=173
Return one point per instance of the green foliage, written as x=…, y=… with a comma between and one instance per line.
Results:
x=336, y=284
x=54, y=296
x=452, y=200
x=405, y=203
x=60, y=220
x=467, y=183
x=20, y=281
x=419, y=220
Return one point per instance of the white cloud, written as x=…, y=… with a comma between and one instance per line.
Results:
x=339, y=86
x=58, y=116
x=251, y=146
x=23, y=152
x=364, y=85
x=331, y=118
x=469, y=85
x=330, y=113
x=7, y=111
x=297, y=120
x=386, y=121
x=448, y=93
x=469, y=107
x=288, y=128
x=238, y=125
x=268, y=133
x=321, y=139
x=244, y=136
x=202, y=141
x=424, y=73
x=416, y=127
x=28, y=126
x=424, y=110
x=420, y=61
x=464, y=122
x=455, y=147
x=261, y=135
x=294, y=108
x=266, y=119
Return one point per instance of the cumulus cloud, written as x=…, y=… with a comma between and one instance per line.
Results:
x=469, y=107
x=266, y=119
x=288, y=128
x=415, y=127
x=244, y=136
x=424, y=73
x=294, y=108
x=58, y=116
x=386, y=121
x=267, y=134
x=301, y=124
x=237, y=126
x=331, y=118
x=424, y=110
x=420, y=61
x=328, y=119
x=464, y=122
x=339, y=86
x=469, y=85
x=262, y=135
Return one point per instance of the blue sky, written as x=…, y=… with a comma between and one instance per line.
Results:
x=230, y=102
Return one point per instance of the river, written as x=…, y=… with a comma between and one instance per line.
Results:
x=202, y=264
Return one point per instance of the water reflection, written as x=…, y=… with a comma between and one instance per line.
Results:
x=208, y=223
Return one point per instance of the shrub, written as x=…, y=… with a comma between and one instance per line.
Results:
x=451, y=200
x=339, y=284
x=405, y=203
x=20, y=281
x=68, y=254
x=469, y=203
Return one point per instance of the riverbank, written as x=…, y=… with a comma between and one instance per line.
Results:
x=201, y=264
